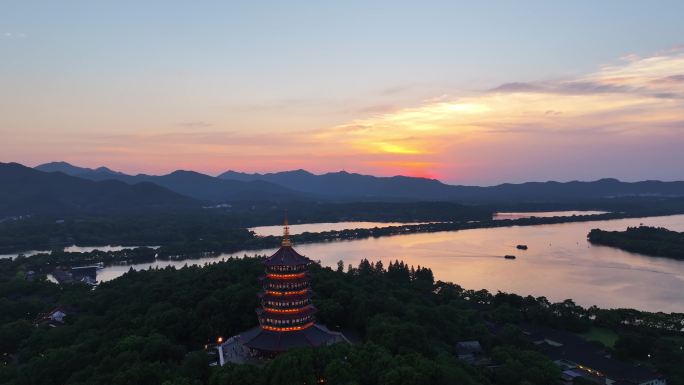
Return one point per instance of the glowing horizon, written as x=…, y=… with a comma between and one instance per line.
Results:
x=149, y=98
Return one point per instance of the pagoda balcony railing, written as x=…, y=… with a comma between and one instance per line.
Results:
x=287, y=328
x=285, y=304
x=289, y=310
x=284, y=269
x=285, y=293
x=297, y=295
x=286, y=276
x=286, y=285
x=269, y=320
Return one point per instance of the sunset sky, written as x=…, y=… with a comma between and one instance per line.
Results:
x=485, y=93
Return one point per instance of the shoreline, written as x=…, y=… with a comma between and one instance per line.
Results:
x=172, y=252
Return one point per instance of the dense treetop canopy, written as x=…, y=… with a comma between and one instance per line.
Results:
x=151, y=327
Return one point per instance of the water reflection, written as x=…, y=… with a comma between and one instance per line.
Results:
x=88, y=249
x=544, y=214
x=27, y=253
x=320, y=227
x=559, y=263
x=74, y=249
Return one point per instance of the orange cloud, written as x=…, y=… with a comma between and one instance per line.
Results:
x=513, y=127
x=637, y=97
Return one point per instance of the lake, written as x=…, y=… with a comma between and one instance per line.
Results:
x=544, y=214
x=559, y=263
x=320, y=227
x=317, y=228
x=335, y=226
x=74, y=249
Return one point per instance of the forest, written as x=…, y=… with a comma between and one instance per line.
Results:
x=217, y=228
x=193, y=234
x=151, y=327
x=655, y=241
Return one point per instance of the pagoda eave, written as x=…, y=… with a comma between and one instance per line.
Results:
x=280, y=314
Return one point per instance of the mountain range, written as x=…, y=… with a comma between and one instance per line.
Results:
x=347, y=185
x=301, y=185
x=202, y=187
x=24, y=190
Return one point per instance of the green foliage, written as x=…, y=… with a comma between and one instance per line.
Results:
x=184, y=231
x=655, y=241
x=523, y=367
x=150, y=327
x=602, y=335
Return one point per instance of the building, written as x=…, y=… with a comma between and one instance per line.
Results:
x=52, y=318
x=580, y=358
x=469, y=351
x=83, y=274
x=286, y=315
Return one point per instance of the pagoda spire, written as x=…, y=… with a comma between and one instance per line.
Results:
x=286, y=233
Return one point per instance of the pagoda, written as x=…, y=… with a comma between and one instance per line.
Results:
x=286, y=315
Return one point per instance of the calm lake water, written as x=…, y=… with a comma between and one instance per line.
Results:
x=334, y=226
x=559, y=263
x=74, y=249
x=316, y=228
x=320, y=227
x=545, y=214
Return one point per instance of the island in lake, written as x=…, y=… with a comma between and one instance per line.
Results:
x=656, y=241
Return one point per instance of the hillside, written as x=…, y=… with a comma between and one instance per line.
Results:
x=27, y=191
x=151, y=327
x=353, y=186
x=189, y=183
x=655, y=241
x=343, y=184
x=72, y=170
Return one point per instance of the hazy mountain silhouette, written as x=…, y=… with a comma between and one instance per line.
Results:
x=191, y=184
x=344, y=184
x=353, y=186
x=201, y=186
x=24, y=190
x=72, y=170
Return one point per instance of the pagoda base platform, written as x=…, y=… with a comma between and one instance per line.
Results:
x=257, y=343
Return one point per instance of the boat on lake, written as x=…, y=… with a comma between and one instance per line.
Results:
x=508, y=256
x=521, y=247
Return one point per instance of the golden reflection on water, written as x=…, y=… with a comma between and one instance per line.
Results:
x=559, y=263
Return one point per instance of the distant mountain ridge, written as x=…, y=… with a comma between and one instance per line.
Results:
x=343, y=186
x=189, y=183
x=72, y=170
x=24, y=190
x=347, y=185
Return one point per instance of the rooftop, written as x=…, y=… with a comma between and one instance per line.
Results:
x=563, y=345
x=265, y=340
x=286, y=256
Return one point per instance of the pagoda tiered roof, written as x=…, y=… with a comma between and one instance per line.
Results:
x=286, y=256
x=292, y=297
x=297, y=277
x=274, y=341
x=286, y=314
x=293, y=281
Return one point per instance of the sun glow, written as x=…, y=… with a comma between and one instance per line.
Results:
x=636, y=98
x=500, y=133
x=395, y=148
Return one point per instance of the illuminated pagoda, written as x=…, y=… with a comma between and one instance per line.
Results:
x=286, y=315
